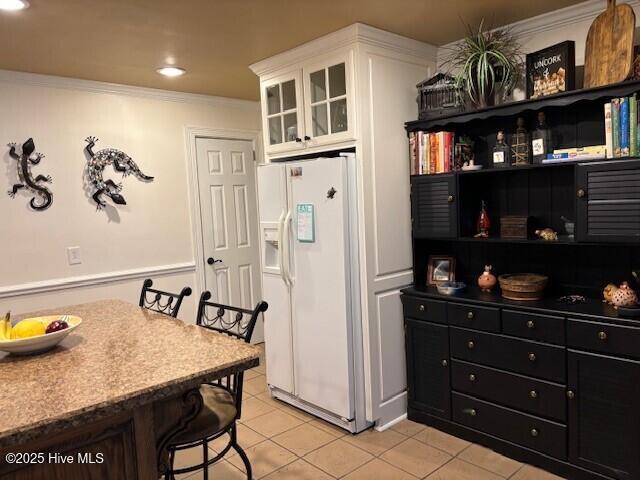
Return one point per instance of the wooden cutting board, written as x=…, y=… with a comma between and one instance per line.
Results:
x=608, y=54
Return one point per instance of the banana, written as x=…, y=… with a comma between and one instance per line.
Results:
x=5, y=327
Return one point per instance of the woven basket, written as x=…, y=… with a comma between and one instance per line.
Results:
x=523, y=286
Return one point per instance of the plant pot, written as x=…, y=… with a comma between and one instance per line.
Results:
x=486, y=100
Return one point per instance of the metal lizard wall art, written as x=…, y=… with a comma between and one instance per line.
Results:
x=95, y=169
x=25, y=160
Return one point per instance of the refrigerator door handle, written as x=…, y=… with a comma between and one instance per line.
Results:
x=286, y=239
x=281, y=246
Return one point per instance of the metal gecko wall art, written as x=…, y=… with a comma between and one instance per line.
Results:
x=25, y=160
x=95, y=171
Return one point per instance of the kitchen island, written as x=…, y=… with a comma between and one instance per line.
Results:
x=107, y=400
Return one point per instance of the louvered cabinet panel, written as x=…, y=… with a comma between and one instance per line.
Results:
x=433, y=206
x=604, y=414
x=608, y=196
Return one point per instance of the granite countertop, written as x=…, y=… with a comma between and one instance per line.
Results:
x=120, y=357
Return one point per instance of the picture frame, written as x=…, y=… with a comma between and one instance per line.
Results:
x=441, y=268
x=551, y=70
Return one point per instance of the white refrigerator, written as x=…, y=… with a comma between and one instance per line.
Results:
x=310, y=278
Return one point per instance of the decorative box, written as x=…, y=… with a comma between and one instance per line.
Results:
x=438, y=96
x=551, y=70
x=515, y=227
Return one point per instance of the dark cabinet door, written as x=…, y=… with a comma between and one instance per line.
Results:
x=433, y=206
x=428, y=383
x=604, y=414
x=608, y=203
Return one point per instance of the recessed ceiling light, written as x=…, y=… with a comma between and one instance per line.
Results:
x=13, y=4
x=170, y=71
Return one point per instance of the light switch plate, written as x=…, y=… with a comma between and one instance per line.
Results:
x=74, y=255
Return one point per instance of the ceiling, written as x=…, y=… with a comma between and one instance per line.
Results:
x=124, y=41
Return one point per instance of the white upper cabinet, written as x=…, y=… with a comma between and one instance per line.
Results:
x=328, y=101
x=282, y=114
x=309, y=107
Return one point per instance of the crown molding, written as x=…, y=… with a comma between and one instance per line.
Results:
x=563, y=17
x=36, y=79
x=95, y=279
x=358, y=33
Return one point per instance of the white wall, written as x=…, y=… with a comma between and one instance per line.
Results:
x=150, y=236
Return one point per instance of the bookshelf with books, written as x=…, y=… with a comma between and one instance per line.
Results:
x=585, y=183
x=584, y=194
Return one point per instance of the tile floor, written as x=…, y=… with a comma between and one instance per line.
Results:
x=284, y=443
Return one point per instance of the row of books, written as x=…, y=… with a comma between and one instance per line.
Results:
x=621, y=127
x=431, y=152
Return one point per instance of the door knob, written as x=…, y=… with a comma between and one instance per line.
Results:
x=212, y=260
x=307, y=138
x=581, y=193
x=298, y=139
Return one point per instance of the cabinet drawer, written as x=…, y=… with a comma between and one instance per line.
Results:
x=508, y=353
x=423, y=309
x=533, y=432
x=604, y=337
x=543, y=328
x=470, y=316
x=538, y=397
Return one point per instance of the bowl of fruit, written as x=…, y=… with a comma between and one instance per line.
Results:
x=35, y=335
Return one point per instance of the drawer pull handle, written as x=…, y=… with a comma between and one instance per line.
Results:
x=470, y=411
x=570, y=394
x=421, y=308
x=444, y=363
x=534, y=432
x=602, y=336
x=472, y=378
x=470, y=315
x=530, y=324
x=532, y=357
x=533, y=394
x=471, y=345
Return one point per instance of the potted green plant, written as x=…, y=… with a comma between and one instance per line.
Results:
x=485, y=63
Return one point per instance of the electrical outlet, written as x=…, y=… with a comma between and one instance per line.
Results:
x=74, y=255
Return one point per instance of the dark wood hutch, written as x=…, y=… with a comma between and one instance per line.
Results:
x=547, y=383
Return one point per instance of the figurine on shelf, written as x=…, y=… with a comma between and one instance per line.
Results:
x=487, y=280
x=484, y=223
x=501, y=151
x=520, y=145
x=547, y=234
x=463, y=152
x=608, y=292
x=624, y=296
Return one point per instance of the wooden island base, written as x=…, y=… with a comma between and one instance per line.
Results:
x=129, y=445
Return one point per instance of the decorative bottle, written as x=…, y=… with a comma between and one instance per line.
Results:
x=541, y=142
x=501, y=151
x=520, y=145
x=484, y=223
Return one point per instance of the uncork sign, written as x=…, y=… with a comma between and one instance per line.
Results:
x=551, y=70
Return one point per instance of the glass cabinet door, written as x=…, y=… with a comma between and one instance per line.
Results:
x=281, y=114
x=327, y=102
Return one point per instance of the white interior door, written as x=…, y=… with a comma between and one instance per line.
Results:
x=227, y=189
x=320, y=280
